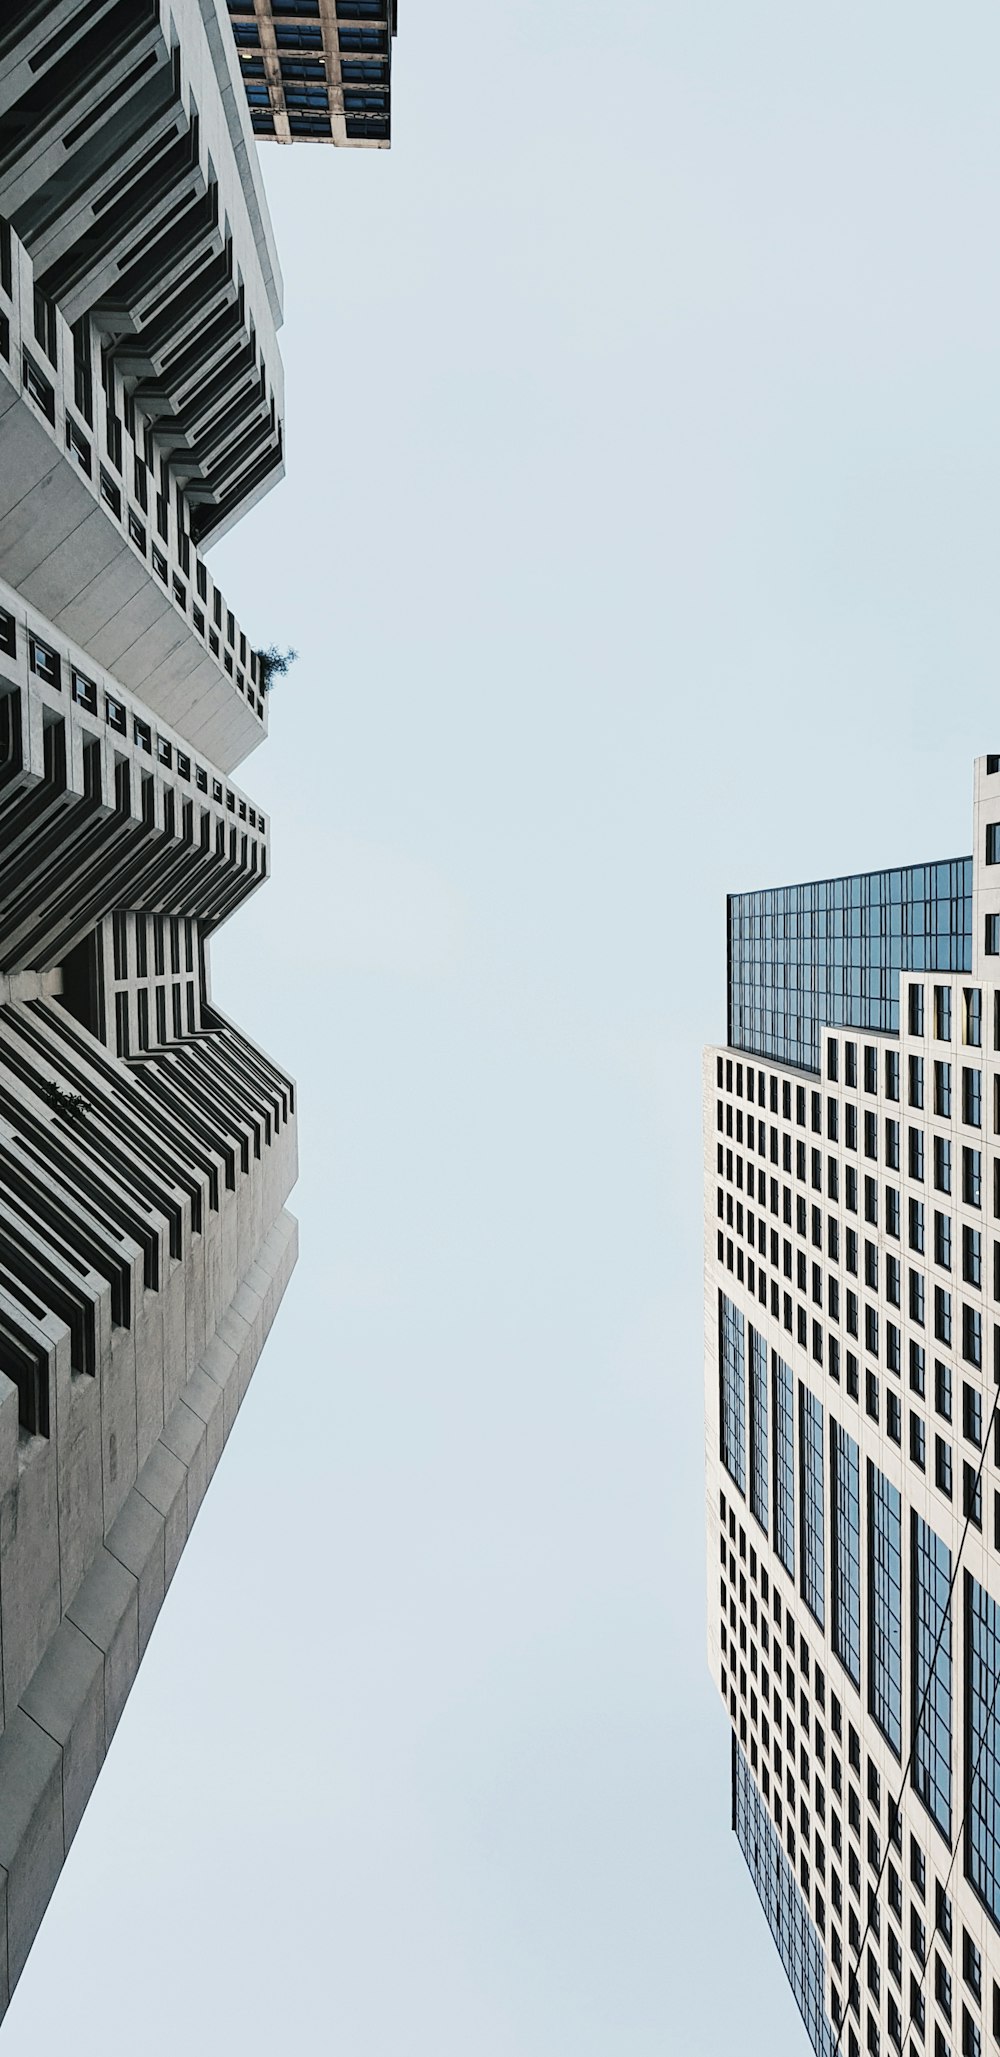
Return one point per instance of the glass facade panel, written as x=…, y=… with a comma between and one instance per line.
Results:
x=830, y=953
x=758, y=1428
x=811, y=1499
x=932, y=1682
x=790, y=1921
x=783, y=1389
x=982, y=1744
x=885, y=1607
x=732, y=1392
x=845, y=1517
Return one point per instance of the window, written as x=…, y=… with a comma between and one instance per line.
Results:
x=812, y=1499
x=918, y=1363
x=915, y=1146
x=892, y=1144
x=758, y=1428
x=942, y=1389
x=917, y=1297
x=932, y=1686
x=916, y=1010
x=972, y=1266
x=44, y=662
x=972, y=1415
x=916, y=1081
x=732, y=1391
x=972, y=1494
x=942, y=1013
x=992, y=936
x=942, y=1088
x=845, y=1513
x=885, y=1606
x=942, y=1164
x=972, y=1335
x=916, y=1219
x=972, y=1965
x=942, y=1466
x=917, y=1440
x=942, y=1315
x=942, y=1240
x=972, y=1176
x=892, y=1074
x=784, y=1462
x=972, y=1095
x=973, y=1017
x=942, y=1985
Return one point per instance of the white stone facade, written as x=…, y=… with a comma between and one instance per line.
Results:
x=852, y=1221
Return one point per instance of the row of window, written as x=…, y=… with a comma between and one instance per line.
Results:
x=110, y=486
x=47, y=665
x=830, y=954
x=888, y=1874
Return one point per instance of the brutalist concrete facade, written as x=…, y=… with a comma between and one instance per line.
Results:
x=147, y=1147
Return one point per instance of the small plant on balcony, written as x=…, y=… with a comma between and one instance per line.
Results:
x=70, y=1105
x=272, y=664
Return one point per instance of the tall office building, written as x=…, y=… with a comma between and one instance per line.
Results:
x=147, y=1147
x=852, y=1319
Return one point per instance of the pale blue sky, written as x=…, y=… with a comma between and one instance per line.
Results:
x=640, y=540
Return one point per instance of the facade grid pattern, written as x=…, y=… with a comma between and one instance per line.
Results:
x=788, y=1916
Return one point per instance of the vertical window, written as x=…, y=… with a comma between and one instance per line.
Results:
x=732, y=1392
x=942, y=1088
x=932, y=1687
x=942, y=1164
x=982, y=1744
x=812, y=1499
x=885, y=1607
x=784, y=1461
x=942, y=1013
x=973, y=1017
x=972, y=1176
x=916, y=1009
x=758, y=1428
x=972, y=1095
x=845, y=1518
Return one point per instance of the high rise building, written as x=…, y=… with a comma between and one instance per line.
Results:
x=147, y=1147
x=317, y=71
x=852, y=1320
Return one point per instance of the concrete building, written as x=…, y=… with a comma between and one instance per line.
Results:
x=317, y=71
x=147, y=1147
x=852, y=1372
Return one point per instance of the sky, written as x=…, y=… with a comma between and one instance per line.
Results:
x=639, y=542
